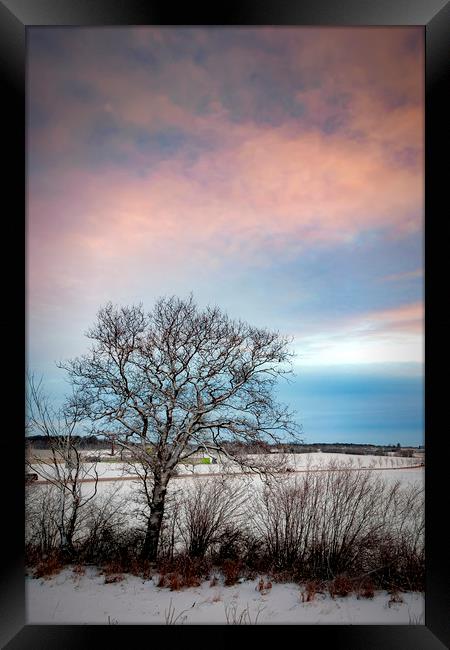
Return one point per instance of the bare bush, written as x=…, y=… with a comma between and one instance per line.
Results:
x=106, y=536
x=65, y=468
x=48, y=565
x=208, y=510
x=42, y=533
x=284, y=518
x=231, y=570
x=400, y=551
x=342, y=520
x=344, y=528
x=345, y=519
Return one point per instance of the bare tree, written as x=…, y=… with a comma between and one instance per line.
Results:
x=170, y=382
x=64, y=468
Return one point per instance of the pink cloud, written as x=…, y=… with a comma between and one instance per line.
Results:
x=274, y=189
x=407, y=319
x=261, y=190
x=407, y=275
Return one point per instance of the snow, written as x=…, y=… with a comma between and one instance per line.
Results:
x=297, y=462
x=69, y=598
x=391, y=470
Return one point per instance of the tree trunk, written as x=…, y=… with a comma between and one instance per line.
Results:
x=150, y=547
x=68, y=548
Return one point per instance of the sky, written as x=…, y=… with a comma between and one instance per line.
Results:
x=277, y=172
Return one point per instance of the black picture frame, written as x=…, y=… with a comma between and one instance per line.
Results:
x=434, y=16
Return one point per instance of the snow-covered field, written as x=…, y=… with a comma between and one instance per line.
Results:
x=69, y=598
x=296, y=462
x=390, y=469
x=72, y=598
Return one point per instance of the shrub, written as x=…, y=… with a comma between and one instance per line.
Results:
x=231, y=570
x=109, y=579
x=330, y=527
x=162, y=580
x=312, y=587
x=395, y=597
x=366, y=589
x=175, y=581
x=141, y=568
x=263, y=586
x=114, y=567
x=208, y=512
x=340, y=586
x=49, y=565
x=42, y=515
x=341, y=521
x=182, y=572
x=79, y=570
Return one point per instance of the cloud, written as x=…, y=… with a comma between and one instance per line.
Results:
x=176, y=133
x=380, y=337
x=163, y=156
x=406, y=275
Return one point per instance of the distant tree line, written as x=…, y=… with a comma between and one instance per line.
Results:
x=83, y=442
x=97, y=442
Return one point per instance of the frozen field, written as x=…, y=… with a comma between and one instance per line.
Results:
x=127, y=484
x=72, y=599
x=295, y=462
x=390, y=469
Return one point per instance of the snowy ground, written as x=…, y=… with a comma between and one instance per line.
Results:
x=69, y=598
x=296, y=462
x=389, y=469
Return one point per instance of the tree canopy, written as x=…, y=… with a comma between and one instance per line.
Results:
x=181, y=375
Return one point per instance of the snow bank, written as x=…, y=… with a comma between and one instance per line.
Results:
x=72, y=599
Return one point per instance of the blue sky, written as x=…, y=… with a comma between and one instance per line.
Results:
x=357, y=404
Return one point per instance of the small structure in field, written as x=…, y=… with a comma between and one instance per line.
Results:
x=201, y=457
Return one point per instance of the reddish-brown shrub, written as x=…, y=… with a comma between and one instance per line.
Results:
x=312, y=587
x=114, y=567
x=340, y=586
x=231, y=571
x=366, y=589
x=263, y=586
x=79, y=569
x=141, y=568
x=33, y=555
x=162, y=580
x=283, y=576
x=395, y=597
x=183, y=571
x=109, y=579
x=48, y=566
x=175, y=581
